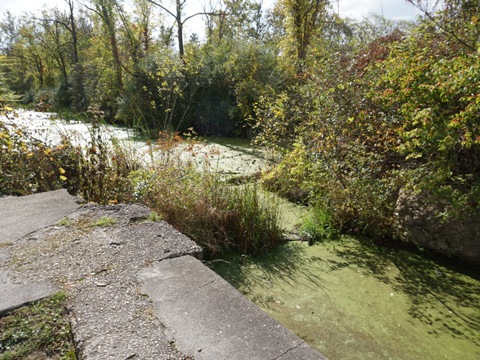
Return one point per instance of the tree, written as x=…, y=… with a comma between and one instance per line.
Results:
x=303, y=21
x=105, y=10
x=180, y=21
x=237, y=20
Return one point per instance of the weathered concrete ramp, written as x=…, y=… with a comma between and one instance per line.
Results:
x=20, y=216
x=212, y=320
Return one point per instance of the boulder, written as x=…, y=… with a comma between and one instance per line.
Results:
x=419, y=222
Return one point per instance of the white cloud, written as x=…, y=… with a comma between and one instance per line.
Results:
x=392, y=9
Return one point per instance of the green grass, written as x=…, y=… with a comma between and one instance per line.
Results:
x=104, y=221
x=37, y=331
x=317, y=226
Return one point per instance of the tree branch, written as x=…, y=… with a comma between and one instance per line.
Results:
x=164, y=8
x=202, y=13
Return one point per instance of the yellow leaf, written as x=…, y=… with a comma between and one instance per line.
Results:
x=63, y=178
x=62, y=170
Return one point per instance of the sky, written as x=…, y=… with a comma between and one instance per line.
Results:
x=357, y=9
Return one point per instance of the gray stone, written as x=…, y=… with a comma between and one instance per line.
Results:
x=209, y=319
x=418, y=222
x=20, y=216
x=13, y=296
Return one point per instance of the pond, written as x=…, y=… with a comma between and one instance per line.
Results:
x=349, y=299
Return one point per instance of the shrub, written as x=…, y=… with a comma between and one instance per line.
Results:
x=27, y=165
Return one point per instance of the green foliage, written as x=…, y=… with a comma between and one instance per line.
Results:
x=338, y=148
x=104, y=221
x=38, y=330
x=27, y=165
x=97, y=173
x=432, y=87
x=318, y=226
x=155, y=99
x=217, y=216
x=404, y=114
x=6, y=95
x=231, y=76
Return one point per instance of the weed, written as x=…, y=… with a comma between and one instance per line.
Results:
x=317, y=226
x=104, y=221
x=153, y=216
x=64, y=222
x=37, y=331
x=218, y=216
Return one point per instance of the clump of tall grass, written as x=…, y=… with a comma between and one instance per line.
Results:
x=317, y=225
x=218, y=216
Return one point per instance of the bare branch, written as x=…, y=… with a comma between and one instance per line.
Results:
x=163, y=7
x=424, y=9
x=203, y=13
x=65, y=25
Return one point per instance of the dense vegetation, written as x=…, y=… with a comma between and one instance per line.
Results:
x=359, y=111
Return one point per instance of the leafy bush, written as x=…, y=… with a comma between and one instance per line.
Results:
x=430, y=86
x=27, y=165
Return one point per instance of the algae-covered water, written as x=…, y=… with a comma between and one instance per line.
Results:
x=350, y=299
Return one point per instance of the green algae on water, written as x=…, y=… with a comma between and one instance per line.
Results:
x=350, y=299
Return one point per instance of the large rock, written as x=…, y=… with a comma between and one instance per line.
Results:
x=419, y=223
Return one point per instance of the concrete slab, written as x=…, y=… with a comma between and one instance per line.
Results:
x=13, y=296
x=209, y=319
x=20, y=216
